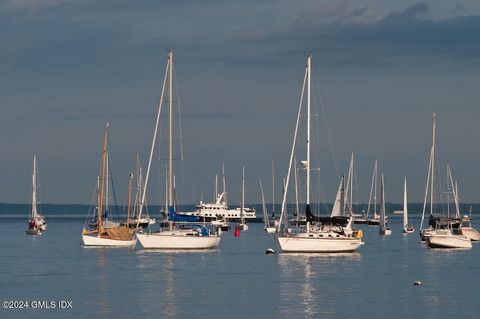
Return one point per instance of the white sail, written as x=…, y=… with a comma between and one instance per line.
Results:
x=338, y=207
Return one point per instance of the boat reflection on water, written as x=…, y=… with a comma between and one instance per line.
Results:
x=305, y=269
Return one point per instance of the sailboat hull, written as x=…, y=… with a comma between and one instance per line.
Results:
x=448, y=240
x=317, y=244
x=270, y=229
x=470, y=233
x=95, y=241
x=175, y=240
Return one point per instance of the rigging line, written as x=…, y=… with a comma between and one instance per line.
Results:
x=183, y=150
x=327, y=130
x=153, y=144
x=282, y=210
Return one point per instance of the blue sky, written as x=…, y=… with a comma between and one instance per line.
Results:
x=381, y=70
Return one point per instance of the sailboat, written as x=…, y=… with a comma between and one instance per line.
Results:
x=440, y=232
x=36, y=223
x=102, y=233
x=375, y=220
x=325, y=235
x=406, y=227
x=178, y=234
x=267, y=228
x=242, y=225
x=134, y=222
x=383, y=226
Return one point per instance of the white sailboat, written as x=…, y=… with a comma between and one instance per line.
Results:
x=102, y=234
x=439, y=233
x=465, y=229
x=326, y=235
x=267, y=228
x=383, y=226
x=375, y=219
x=178, y=235
x=407, y=229
x=242, y=225
x=36, y=223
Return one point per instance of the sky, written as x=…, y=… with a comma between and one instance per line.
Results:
x=380, y=68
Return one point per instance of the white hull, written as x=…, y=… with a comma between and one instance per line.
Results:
x=33, y=231
x=303, y=243
x=470, y=233
x=94, y=240
x=385, y=232
x=270, y=229
x=408, y=230
x=448, y=240
x=177, y=240
x=243, y=227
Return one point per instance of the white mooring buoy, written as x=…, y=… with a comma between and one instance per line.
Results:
x=417, y=282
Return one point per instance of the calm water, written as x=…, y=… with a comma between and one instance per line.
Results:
x=237, y=280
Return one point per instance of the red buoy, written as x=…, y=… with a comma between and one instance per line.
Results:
x=237, y=232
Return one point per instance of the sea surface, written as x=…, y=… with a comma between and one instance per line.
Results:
x=237, y=280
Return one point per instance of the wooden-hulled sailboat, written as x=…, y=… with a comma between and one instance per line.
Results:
x=384, y=229
x=406, y=227
x=178, y=234
x=322, y=235
x=99, y=235
x=36, y=223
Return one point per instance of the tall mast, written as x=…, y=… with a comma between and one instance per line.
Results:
x=375, y=172
x=309, y=66
x=170, y=130
x=296, y=191
x=216, y=189
x=307, y=166
x=224, y=184
x=273, y=185
x=102, y=180
x=264, y=207
x=432, y=185
x=107, y=191
x=34, y=188
x=242, y=208
x=130, y=181
x=405, y=203
x=382, y=208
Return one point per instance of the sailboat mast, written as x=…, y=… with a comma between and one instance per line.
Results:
x=243, y=195
x=309, y=66
x=382, y=208
x=34, y=188
x=130, y=181
x=102, y=181
x=375, y=172
x=224, y=184
x=432, y=185
x=273, y=185
x=107, y=192
x=216, y=189
x=405, y=203
x=264, y=207
x=296, y=190
x=170, y=130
